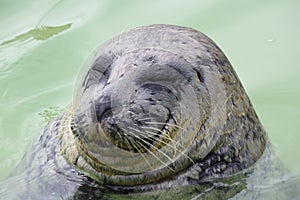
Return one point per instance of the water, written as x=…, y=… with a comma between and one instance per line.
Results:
x=43, y=45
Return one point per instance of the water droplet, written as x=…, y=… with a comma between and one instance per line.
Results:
x=271, y=40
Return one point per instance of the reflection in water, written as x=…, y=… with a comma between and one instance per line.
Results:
x=267, y=179
x=39, y=33
x=12, y=49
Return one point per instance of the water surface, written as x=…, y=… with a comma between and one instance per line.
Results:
x=44, y=44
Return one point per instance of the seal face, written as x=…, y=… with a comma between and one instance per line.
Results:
x=158, y=106
x=142, y=116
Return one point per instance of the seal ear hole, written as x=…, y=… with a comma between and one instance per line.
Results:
x=200, y=77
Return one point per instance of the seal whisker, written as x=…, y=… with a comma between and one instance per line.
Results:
x=174, y=147
x=155, y=134
x=170, y=159
x=139, y=119
x=140, y=138
x=144, y=119
x=151, y=153
x=156, y=129
x=67, y=109
x=166, y=123
x=133, y=113
x=166, y=143
x=136, y=147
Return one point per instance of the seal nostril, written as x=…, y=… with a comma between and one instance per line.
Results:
x=106, y=114
x=102, y=107
x=102, y=112
x=200, y=77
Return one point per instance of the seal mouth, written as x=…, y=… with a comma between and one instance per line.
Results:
x=140, y=135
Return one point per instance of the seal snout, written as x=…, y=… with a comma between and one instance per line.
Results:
x=140, y=122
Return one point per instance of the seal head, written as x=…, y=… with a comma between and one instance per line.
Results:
x=159, y=104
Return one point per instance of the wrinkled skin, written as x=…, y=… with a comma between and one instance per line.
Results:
x=158, y=113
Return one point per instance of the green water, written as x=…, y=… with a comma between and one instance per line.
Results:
x=44, y=43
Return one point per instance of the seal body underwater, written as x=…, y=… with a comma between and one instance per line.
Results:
x=158, y=112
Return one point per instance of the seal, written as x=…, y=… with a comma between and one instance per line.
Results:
x=156, y=108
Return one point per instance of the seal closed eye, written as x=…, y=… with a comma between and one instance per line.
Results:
x=157, y=107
